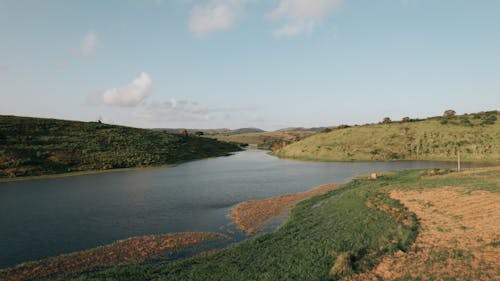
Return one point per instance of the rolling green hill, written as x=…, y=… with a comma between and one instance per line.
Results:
x=476, y=136
x=35, y=146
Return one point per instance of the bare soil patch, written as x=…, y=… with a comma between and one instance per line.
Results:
x=252, y=216
x=129, y=251
x=459, y=237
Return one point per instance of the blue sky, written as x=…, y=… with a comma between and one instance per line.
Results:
x=239, y=63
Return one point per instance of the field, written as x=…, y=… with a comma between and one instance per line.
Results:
x=365, y=230
x=36, y=146
x=475, y=136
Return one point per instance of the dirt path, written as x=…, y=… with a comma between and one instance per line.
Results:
x=459, y=237
x=129, y=251
x=251, y=216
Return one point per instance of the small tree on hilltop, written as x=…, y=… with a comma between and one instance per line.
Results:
x=449, y=113
x=406, y=119
x=387, y=120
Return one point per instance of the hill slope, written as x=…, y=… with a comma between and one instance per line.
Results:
x=35, y=146
x=476, y=135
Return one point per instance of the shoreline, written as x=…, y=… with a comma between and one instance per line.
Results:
x=270, y=153
x=486, y=163
x=84, y=173
x=117, y=170
x=252, y=216
x=129, y=251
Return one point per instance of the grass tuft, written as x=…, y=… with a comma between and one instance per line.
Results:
x=342, y=265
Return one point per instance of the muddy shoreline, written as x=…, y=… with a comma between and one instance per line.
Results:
x=124, y=252
x=252, y=216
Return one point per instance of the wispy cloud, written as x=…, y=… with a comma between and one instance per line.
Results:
x=174, y=110
x=301, y=16
x=215, y=16
x=88, y=44
x=184, y=111
x=130, y=95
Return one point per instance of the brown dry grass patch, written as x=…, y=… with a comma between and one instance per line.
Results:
x=252, y=216
x=458, y=239
x=129, y=251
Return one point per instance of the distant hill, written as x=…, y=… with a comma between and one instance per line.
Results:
x=303, y=129
x=266, y=140
x=477, y=136
x=222, y=131
x=36, y=146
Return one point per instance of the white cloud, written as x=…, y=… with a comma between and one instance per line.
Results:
x=301, y=16
x=88, y=44
x=129, y=95
x=214, y=16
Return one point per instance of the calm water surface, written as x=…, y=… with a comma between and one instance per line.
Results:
x=44, y=218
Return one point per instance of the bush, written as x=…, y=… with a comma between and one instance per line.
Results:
x=387, y=120
x=449, y=113
x=466, y=122
x=489, y=120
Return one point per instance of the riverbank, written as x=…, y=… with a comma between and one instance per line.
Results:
x=251, y=216
x=94, y=172
x=364, y=227
x=39, y=146
x=83, y=173
x=477, y=163
x=121, y=253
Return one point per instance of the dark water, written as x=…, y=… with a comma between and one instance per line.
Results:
x=44, y=218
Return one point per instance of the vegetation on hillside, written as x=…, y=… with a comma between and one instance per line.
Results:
x=328, y=237
x=475, y=136
x=36, y=146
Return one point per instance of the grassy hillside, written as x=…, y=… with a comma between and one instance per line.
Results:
x=347, y=231
x=477, y=136
x=35, y=146
x=266, y=140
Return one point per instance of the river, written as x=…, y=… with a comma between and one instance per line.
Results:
x=49, y=217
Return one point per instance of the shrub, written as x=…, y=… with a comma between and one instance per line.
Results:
x=449, y=113
x=466, y=122
x=489, y=120
x=387, y=120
